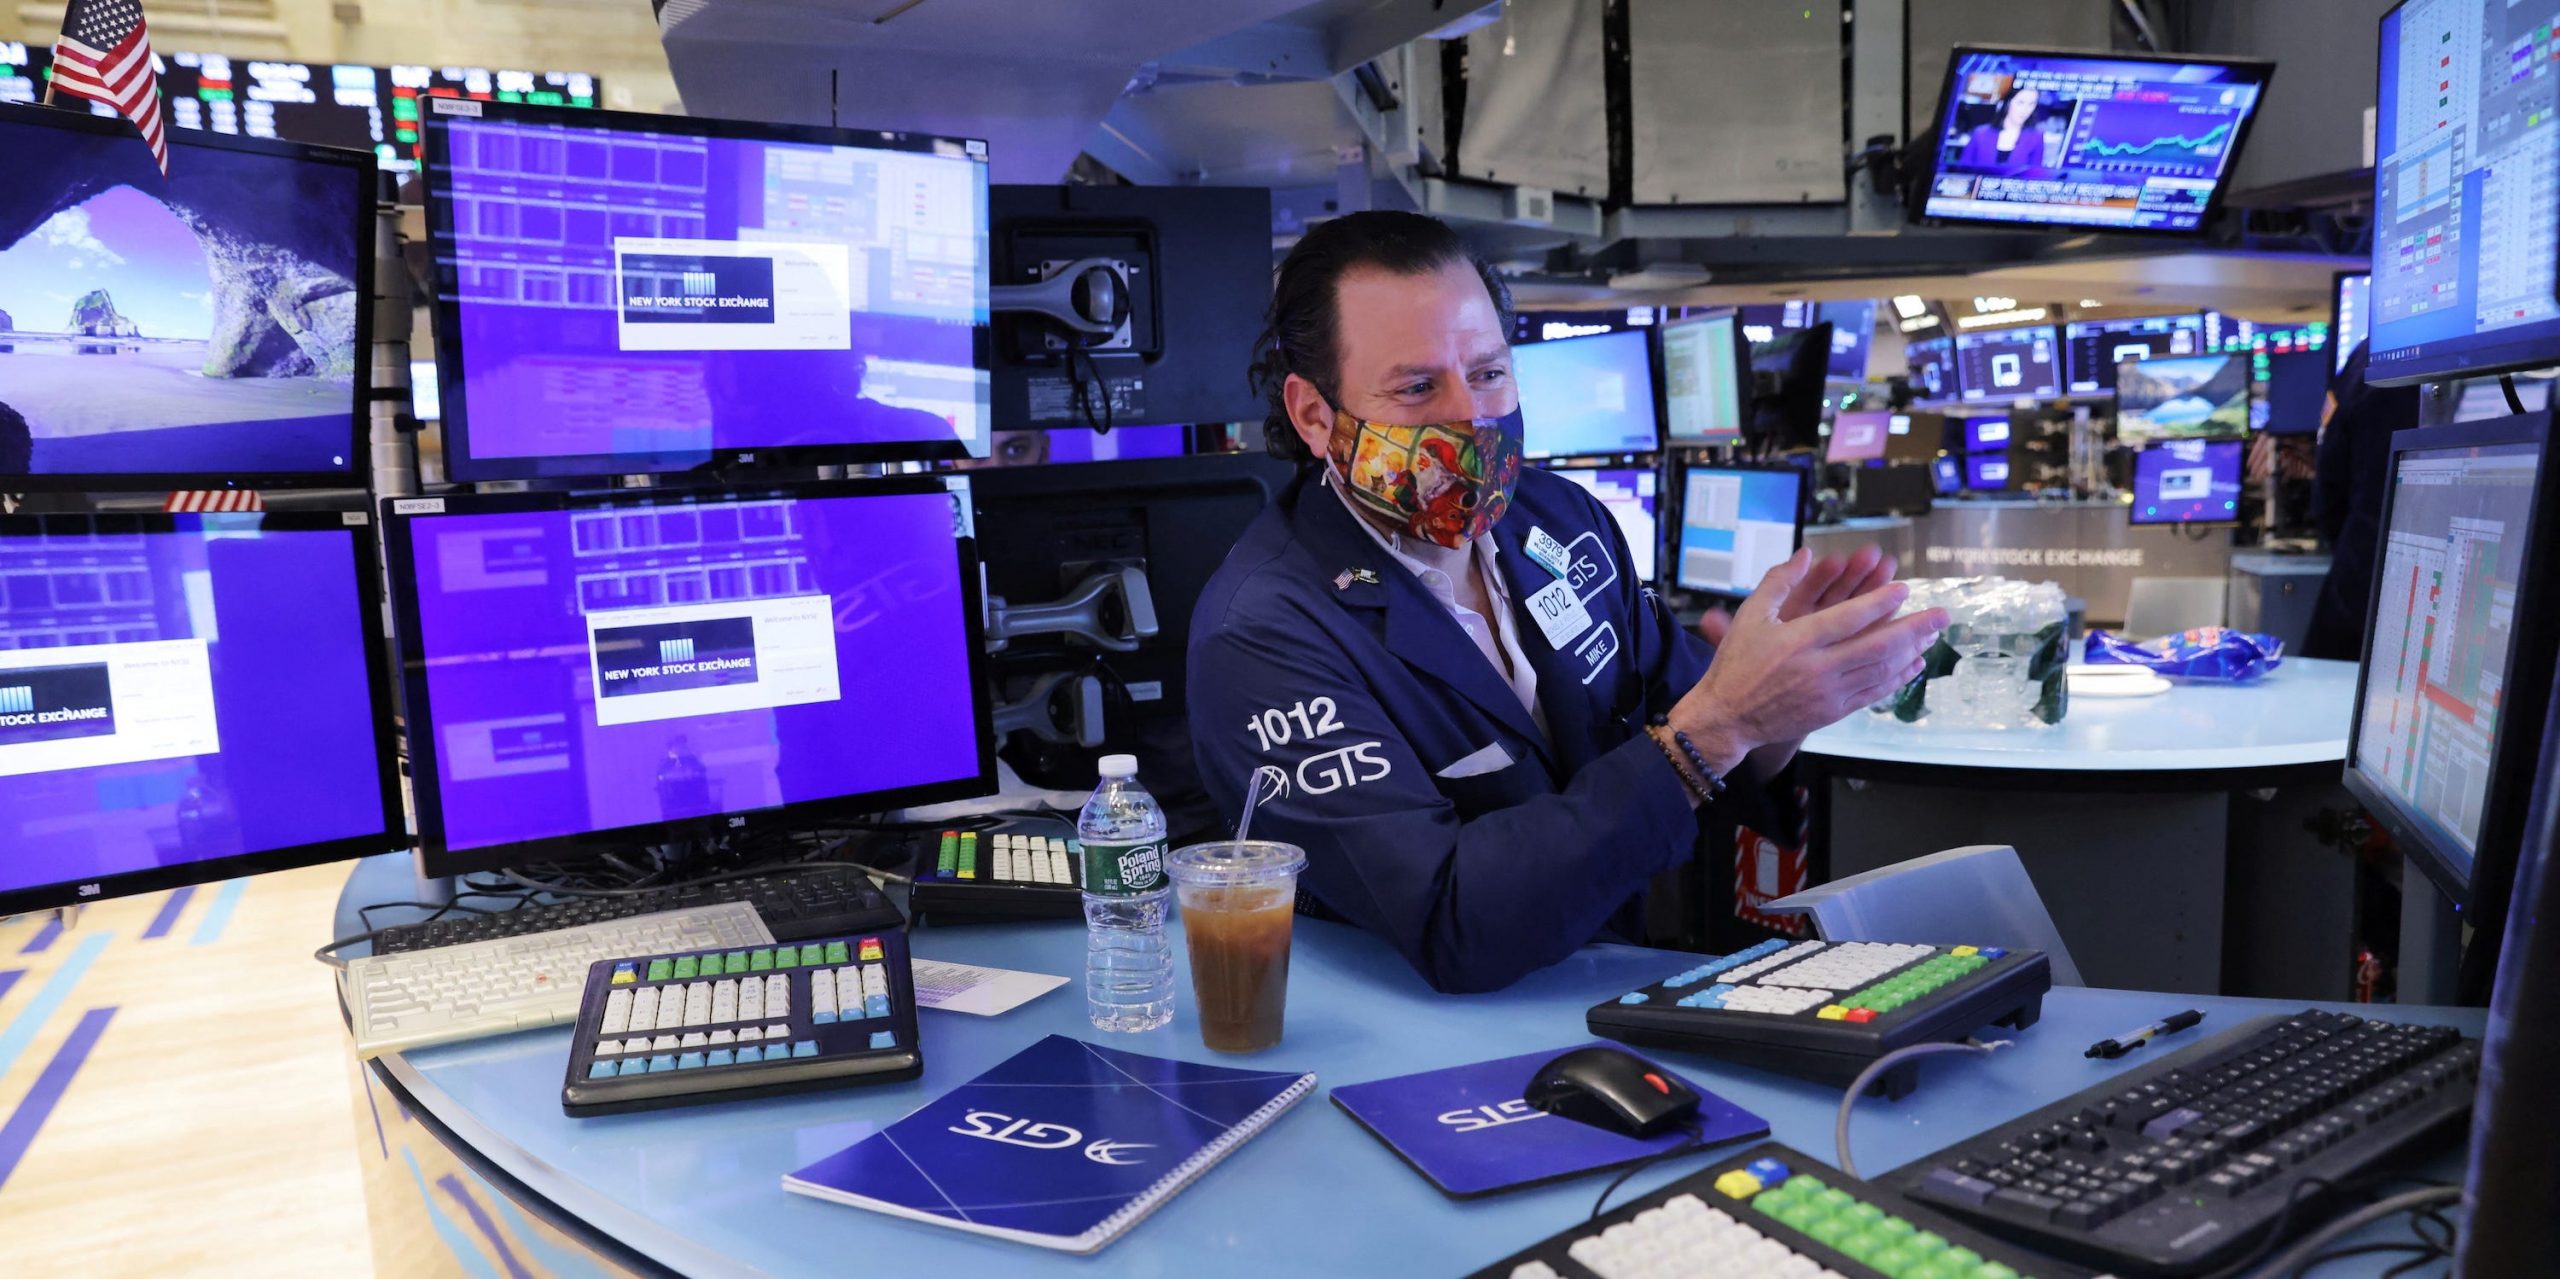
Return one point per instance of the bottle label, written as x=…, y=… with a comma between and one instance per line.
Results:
x=1123, y=870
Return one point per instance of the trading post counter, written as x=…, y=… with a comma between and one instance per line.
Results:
x=472, y=1169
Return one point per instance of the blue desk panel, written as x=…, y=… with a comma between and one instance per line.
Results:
x=698, y=1189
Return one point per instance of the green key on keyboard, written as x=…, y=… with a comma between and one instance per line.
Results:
x=812, y=955
x=661, y=969
x=760, y=961
x=947, y=859
x=839, y=953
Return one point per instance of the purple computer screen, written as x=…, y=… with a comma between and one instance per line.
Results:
x=179, y=695
x=750, y=652
x=2187, y=482
x=631, y=301
x=202, y=323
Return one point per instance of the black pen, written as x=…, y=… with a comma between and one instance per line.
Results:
x=2132, y=1039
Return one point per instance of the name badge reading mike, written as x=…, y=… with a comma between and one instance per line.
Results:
x=1548, y=552
x=1559, y=613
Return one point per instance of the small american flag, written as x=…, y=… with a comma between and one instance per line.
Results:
x=104, y=55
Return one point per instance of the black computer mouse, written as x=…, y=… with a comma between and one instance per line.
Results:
x=1613, y=1089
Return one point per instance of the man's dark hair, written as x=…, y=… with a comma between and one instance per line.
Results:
x=1300, y=332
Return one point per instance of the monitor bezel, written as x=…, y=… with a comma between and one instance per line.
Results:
x=753, y=463
x=436, y=858
x=1741, y=351
x=2504, y=802
x=2339, y=351
x=2221, y=188
x=1955, y=372
x=361, y=167
x=2061, y=364
x=357, y=528
x=2133, y=509
x=1674, y=533
x=1644, y=335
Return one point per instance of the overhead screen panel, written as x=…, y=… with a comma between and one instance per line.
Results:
x=2466, y=205
x=1536, y=114
x=1767, y=72
x=2068, y=140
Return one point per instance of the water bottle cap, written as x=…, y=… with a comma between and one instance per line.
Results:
x=1119, y=766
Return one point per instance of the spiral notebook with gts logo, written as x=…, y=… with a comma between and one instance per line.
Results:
x=1064, y=1145
x=1467, y=1131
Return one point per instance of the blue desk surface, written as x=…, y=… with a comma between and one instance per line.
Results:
x=2297, y=715
x=698, y=1189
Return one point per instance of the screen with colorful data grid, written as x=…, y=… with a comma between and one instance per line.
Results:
x=1704, y=390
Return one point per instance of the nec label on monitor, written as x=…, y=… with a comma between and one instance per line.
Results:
x=710, y=659
x=723, y=295
x=91, y=705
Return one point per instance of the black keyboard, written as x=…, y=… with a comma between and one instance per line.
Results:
x=1028, y=868
x=1769, y=1211
x=794, y=904
x=2184, y=1164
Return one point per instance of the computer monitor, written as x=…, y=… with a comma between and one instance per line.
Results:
x=2297, y=388
x=2350, y=313
x=589, y=673
x=2198, y=397
x=1737, y=523
x=2010, y=364
x=2095, y=347
x=425, y=403
x=186, y=698
x=623, y=293
x=1705, y=393
x=2466, y=216
x=1858, y=435
x=1629, y=494
x=1935, y=376
x=1986, y=433
x=210, y=329
x=2458, y=652
x=1853, y=330
x=1914, y=437
x=1788, y=375
x=2187, y=482
x=1949, y=476
x=1989, y=473
x=1587, y=395
x=2064, y=138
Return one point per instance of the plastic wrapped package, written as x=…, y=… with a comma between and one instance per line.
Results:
x=2210, y=653
x=2001, y=661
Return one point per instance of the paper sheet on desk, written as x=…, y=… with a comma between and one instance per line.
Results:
x=967, y=988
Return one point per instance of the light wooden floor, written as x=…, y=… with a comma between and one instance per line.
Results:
x=208, y=1131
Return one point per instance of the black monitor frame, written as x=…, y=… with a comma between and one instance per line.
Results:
x=386, y=738
x=363, y=169
x=437, y=859
x=1653, y=385
x=2529, y=661
x=1936, y=140
x=1740, y=353
x=452, y=386
x=1669, y=571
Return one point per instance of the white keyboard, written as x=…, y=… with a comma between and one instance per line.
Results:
x=422, y=997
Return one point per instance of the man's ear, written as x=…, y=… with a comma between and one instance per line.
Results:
x=1310, y=414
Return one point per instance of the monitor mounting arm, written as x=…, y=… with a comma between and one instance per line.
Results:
x=1074, y=720
x=1087, y=611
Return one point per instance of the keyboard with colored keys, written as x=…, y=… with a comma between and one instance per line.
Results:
x=1823, y=1010
x=669, y=1030
x=1025, y=870
x=1769, y=1213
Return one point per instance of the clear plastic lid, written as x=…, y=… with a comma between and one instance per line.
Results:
x=1118, y=766
x=1255, y=861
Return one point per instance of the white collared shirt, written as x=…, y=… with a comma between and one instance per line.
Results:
x=1497, y=638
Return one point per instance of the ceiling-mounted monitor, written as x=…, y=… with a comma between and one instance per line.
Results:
x=2093, y=348
x=2089, y=141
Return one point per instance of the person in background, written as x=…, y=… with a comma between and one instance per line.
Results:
x=2351, y=470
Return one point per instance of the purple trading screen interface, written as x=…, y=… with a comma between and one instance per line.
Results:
x=2187, y=482
x=2063, y=139
x=629, y=301
x=2010, y=364
x=191, y=692
x=1858, y=436
x=177, y=326
x=604, y=667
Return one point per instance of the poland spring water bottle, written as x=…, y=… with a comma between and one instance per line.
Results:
x=1128, y=981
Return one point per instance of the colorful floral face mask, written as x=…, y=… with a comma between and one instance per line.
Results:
x=1443, y=482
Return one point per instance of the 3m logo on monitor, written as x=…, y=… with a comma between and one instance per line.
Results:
x=662, y=657
x=53, y=703
x=676, y=288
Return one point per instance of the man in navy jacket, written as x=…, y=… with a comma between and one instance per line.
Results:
x=1457, y=697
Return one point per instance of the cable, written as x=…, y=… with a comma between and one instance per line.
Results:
x=2507, y=383
x=2294, y=1260
x=1858, y=1087
x=571, y=890
x=1697, y=1141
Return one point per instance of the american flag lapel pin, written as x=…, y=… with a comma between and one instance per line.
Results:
x=1342, y=580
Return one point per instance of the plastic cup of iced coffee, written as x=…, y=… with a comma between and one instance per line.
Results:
x=1236, y=900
